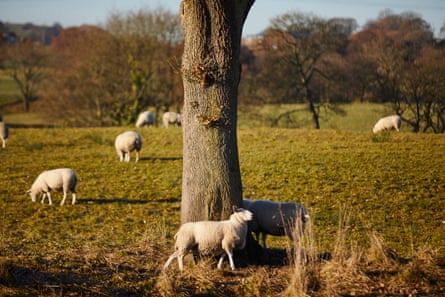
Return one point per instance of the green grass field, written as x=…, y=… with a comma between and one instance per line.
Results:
x=114, y=241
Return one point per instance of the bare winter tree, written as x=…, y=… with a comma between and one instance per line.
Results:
x=211, y=73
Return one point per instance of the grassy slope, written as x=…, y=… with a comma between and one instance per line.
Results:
x=119, y=234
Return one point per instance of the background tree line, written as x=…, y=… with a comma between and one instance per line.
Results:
x=106, y=76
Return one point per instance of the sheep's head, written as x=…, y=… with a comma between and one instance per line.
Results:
x=242, y=215
x=33, y=195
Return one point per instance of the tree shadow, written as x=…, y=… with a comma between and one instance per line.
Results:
x=162, y=159
x=32, y=281
x=118, y=200
x=112, y=200
x=254, y=254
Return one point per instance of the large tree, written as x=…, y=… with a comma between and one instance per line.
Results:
x=26, y=64
x=211, y=73
x=300, y=44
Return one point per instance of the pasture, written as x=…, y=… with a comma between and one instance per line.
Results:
x=378, y=199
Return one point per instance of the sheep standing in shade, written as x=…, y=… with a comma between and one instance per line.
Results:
x=4, y=133
x=276, y=218
x=56, y=179
x=126, y=143
x=388, y=123
x=146, y=118
x=212, y=238
x=171, y=118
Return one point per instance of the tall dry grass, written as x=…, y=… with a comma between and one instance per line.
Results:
x=354, y=270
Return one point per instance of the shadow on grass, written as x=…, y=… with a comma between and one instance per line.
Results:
x=28, y=281
x=125, y=201
x=163, y=159
x=254, y=254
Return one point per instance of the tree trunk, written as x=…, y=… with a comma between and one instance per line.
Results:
x=210, y=72
x=314, y=114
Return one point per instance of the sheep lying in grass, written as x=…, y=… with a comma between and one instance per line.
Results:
x=388, y=123
x=146, y=118
x=212, y=238
x=56, y=179
x=4, y=133
x=126, y=143
x=276, y=219
x=170, y=118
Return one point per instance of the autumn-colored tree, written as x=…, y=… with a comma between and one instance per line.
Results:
x=107, y=76
x=151, y=44
x=83, y=83
x=422, y=102
x=394, y=54
x=389, y=44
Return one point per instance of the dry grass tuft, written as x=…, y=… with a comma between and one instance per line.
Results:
x=381, y=254
x=343, y=274
x=304, y=266
x=196, y=280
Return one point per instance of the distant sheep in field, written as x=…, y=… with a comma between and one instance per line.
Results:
x=126, y=143
x=146, y=118
x=212, y=238
x=56, y=179
x=4, y=133
x=388, y=123
x=275, y=218
x=171, y=118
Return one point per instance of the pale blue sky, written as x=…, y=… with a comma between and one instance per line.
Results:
x=95, y=12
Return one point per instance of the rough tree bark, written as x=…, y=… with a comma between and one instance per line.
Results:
x=211, y=69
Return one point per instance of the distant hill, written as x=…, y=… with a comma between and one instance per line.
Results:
x=12, y=33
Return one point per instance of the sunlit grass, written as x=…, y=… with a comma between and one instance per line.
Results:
x=118, y=235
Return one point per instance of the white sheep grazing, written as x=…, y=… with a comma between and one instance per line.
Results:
x=275, y=218
x=126, y=143
x=4, y=133
x=171, y=117
x=146, y=118
x=388, y=123
x=56, y=179
x=212, y=238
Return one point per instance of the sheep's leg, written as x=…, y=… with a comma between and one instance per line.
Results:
x=127, y=157
x=232, y=264
x=64, y=198
x=170, y=259
x=264, y=235
x=43, y=198
x=137, y=156
x=49, y=198
x=221, y=261
x=181, y=262
x=74, y=198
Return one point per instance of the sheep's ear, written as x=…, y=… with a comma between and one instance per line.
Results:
x=235, y=209
x=29, y=191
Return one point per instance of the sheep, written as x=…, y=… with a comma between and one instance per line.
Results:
x=171, y=117
x=126, y=143
x=388, y=123
x=212, y=238
x=56, y=179
x=146, y=118
x=276, y=218
x=4, y=133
